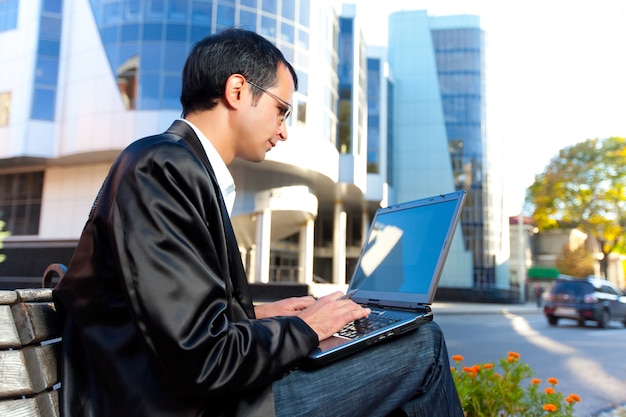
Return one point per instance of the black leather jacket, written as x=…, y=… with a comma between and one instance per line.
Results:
x=160, y=321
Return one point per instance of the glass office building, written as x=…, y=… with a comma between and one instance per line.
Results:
x=84, y=78
x=81, y=79
x=440, y=140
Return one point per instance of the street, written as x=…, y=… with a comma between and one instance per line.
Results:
x=587, y=361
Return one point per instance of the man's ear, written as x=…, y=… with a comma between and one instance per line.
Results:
x=234, y=89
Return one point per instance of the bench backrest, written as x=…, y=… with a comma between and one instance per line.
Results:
x=30, y=347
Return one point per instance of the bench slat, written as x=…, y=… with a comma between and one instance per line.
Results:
x=9, y=338
x=30, y=348
x=36, y=321
x=28, y=371
x=43, y=405
x=14, y=379
x=41, y=363
x=26, y=295
x=7, y=297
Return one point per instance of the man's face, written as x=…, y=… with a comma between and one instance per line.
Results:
x=263, y=124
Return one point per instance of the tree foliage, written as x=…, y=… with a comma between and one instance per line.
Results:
x=584, y=186
x=3, y=234
x=578, y=263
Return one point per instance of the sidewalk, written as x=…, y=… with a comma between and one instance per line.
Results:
x=444, y=307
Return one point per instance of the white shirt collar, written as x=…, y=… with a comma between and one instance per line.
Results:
x=224, y=178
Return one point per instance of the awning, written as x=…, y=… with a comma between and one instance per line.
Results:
x=542, y=272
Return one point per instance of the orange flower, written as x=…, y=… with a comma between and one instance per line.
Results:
x=476, y=368
x=496, y=375
x=553, y=381
x=549, y=407
x=514, y=355
x=536, y=381
x=488, y=365
x=468, y=369
x=573, y=398
x=457, y=358
x=549, y=390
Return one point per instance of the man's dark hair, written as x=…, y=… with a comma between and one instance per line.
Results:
x=215, y=58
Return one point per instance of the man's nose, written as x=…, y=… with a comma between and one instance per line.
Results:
x=281, y=132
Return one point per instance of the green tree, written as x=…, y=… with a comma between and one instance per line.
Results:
x=3, y=234
x=578, y=263
x=584, y=186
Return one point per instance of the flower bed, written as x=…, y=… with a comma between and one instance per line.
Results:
x=510, y=391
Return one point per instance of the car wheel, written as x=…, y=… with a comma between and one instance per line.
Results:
x=605, y=317
x=553, y=320
x=581, y=323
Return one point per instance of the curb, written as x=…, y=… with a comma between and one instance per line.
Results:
x=475, y=309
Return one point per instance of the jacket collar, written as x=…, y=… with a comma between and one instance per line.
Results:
x=237, y=272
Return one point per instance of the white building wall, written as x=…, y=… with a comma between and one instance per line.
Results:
x=68, y=194
x=17, y=71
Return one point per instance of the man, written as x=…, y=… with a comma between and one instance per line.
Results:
x=160, y=321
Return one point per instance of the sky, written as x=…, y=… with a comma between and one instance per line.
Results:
x=555, y=75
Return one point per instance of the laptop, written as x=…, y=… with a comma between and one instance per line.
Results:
x=397, y=273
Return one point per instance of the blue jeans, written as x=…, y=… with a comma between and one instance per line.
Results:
x=407, y=376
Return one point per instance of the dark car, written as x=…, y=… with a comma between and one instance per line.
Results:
x=584, y=299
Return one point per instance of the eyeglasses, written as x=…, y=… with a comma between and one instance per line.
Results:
x=287, y=109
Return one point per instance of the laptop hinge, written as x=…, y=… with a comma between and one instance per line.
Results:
x=404, y=305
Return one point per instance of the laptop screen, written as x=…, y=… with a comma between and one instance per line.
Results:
x=406, y=249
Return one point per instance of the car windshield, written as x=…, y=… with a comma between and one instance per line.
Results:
x=573, y=288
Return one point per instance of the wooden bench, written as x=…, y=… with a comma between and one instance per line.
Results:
x=30, y=347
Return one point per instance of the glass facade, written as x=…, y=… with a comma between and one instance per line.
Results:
x=391, y=179
x=460, y=68
x=47, y=64
x=20, y=202
x=8, y=14
x=374, y=70
x=147, y=41
x=345, y=70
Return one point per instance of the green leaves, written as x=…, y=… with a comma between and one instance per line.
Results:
x=584, y=187
x=3, y=234
x=486, y=391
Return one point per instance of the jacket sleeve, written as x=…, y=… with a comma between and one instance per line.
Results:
x=167, y=233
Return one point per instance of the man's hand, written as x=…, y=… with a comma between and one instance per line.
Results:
x=286, y=307
x=330, y=313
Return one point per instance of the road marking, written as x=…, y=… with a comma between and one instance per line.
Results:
x=581, y=368
x=521, y=326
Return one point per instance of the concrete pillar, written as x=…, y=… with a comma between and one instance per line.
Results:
x=339, y=244
x=263, y=239
x=252, y=267
x=365, y=226
x=305, y=256
x=243, y=252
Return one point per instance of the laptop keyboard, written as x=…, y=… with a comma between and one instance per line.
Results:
x=366, y=325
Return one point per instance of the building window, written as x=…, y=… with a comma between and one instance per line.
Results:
x=127, y=82
x=47, y=64
x=5, y=108
x=8, y=14
x=20, y=202
x=301, y=113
